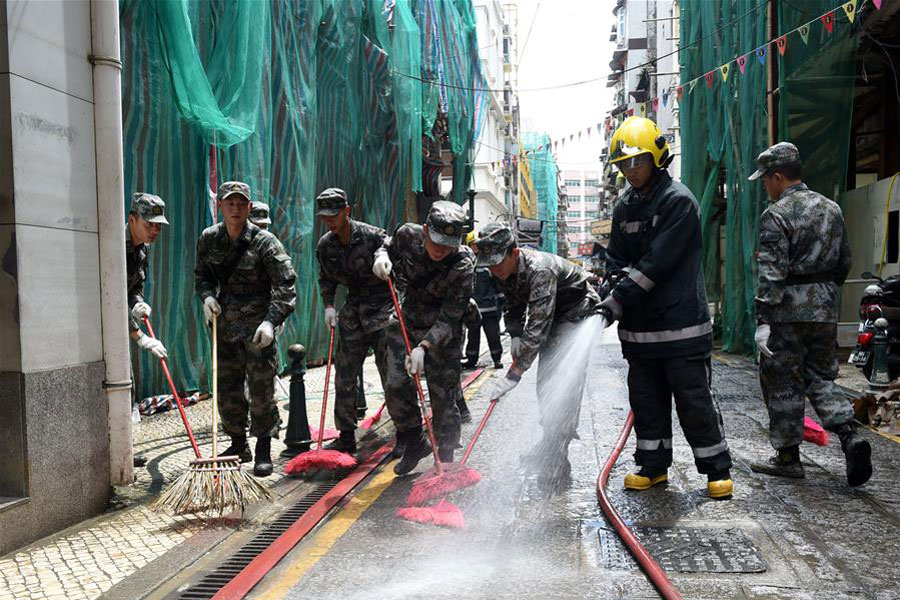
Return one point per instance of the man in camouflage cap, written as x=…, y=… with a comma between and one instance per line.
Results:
x=245, y=279
x=259, y=214
x=346, y=253
x=804, y=256
x=146, y=217
x=548, y=299
x=435, y=275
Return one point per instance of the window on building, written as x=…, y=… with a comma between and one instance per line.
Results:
x=591, y=183
x=590, y=214
x=620, y=25
x=573, y=183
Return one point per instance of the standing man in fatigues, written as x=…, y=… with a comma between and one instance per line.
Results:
x=660, y=302
x=244, y=277
x=547, y=299
x=436, y=275
x=804, y=256
x=346, y=254
x=145, y=220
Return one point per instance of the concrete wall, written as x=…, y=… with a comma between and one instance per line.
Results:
x=55, y=469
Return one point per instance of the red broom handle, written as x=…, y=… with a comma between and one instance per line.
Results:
x=325, y=393
x=175, y=393
x=481, y=425
x=378, y=412
x=434, y=448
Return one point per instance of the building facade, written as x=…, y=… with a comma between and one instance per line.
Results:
x=584, y=205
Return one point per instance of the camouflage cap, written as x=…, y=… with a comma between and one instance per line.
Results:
x=780, y=155
x=494, y=243
x=331, y=201
x=149, y=207
x=259, y=213
x=446, y=222
x=233, y=187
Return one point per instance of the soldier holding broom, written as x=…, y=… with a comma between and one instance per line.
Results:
x=245, y=278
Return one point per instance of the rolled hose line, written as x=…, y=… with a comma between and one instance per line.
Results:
x=650, y=567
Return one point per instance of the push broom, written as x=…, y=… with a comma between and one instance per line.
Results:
x=368, y=422
x=217, y=484
x=321, y=458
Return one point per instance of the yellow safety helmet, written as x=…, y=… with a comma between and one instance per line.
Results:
x=470, y=237
x=636, y=136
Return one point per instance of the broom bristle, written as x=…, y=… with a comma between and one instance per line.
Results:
x=319, y=459
x=443, y=514
x=813, y=432
x=327, y=434
x=369, y=421
x=431, y=485
x=213, y=490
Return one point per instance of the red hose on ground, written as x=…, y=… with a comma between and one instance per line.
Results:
x=656, y=574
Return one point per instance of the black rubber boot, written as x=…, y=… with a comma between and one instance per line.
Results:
x=785, y=463
x=498, y=364
x=416, y=449
x=859, y=456
x=445, y=454
x=465, y=415
x=263, y=465
x=399, y=445
x=469, y=363
x=139, y=461
x=238, y=448
x=345, y=443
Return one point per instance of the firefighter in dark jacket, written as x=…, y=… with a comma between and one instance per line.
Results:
x=660, y=301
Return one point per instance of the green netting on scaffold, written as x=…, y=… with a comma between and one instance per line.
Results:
x=544, y=177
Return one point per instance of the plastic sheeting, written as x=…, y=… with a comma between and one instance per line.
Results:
x=296, y=96
x=724, y=127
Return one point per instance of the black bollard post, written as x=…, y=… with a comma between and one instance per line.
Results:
x=297, y=438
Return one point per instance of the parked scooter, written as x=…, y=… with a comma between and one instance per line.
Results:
x=881, y=299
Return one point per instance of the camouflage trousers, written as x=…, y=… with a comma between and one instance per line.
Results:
x=442, y=371
x=804, y=365
x=240, y=362
x=352, y=349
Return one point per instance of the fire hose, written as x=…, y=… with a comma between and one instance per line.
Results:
x=652, y=569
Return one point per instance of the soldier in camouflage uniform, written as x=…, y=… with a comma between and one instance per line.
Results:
x=245, y=278
x=259, y=214
x=435, y=275
x=145, y=220
x=346, y=254
x=547, y=299
x=804, y=256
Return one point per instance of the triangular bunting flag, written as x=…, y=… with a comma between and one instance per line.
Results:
x=656, y=104
x=598, y=127
x=571, y=137
x=579, y=135
x=742, y=63
x=665, y=98
x=630, y=112
x=761, y=54
x=679, y=91
x=709, y=79
x=691, y=86
x=877, y=4
x=828, y=20
x=782, y=44
x=642, y=109
x=725, y=69
x=804, y=33
x=850, y=9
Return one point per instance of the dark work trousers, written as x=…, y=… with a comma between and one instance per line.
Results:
x=490, y=322
x=651, y=385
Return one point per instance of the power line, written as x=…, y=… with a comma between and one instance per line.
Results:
x=528, y=37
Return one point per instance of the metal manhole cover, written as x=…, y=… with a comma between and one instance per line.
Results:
x=686, y=550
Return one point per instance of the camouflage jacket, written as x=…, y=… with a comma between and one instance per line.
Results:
x=136, y=274
x=260, y=287
x=804, y=256
x=368, y=301
x=435, y=294
x=546, y=290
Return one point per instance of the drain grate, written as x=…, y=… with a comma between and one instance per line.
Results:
x=212, y=582
x=686, y=550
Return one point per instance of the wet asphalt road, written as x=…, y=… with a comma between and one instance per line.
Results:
x=812, y=538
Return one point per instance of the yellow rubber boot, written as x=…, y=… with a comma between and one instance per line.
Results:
x=641, y=481
x=720, y=488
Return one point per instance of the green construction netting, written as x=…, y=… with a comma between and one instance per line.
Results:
x=724, y=127
x=543, y=169
x=296, y=96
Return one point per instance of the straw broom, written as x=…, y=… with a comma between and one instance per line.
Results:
x=213, y=485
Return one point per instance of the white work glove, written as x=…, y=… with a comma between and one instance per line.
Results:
x=211, y=307
x=264, y=335
x=279, y=330
x=382, y=266
x=140, y=310
x=330, y=317
x=503, y=386
x=152, y=345
x=415, y=362
x=762, y=340
x=613, y=306
x=515, y=345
